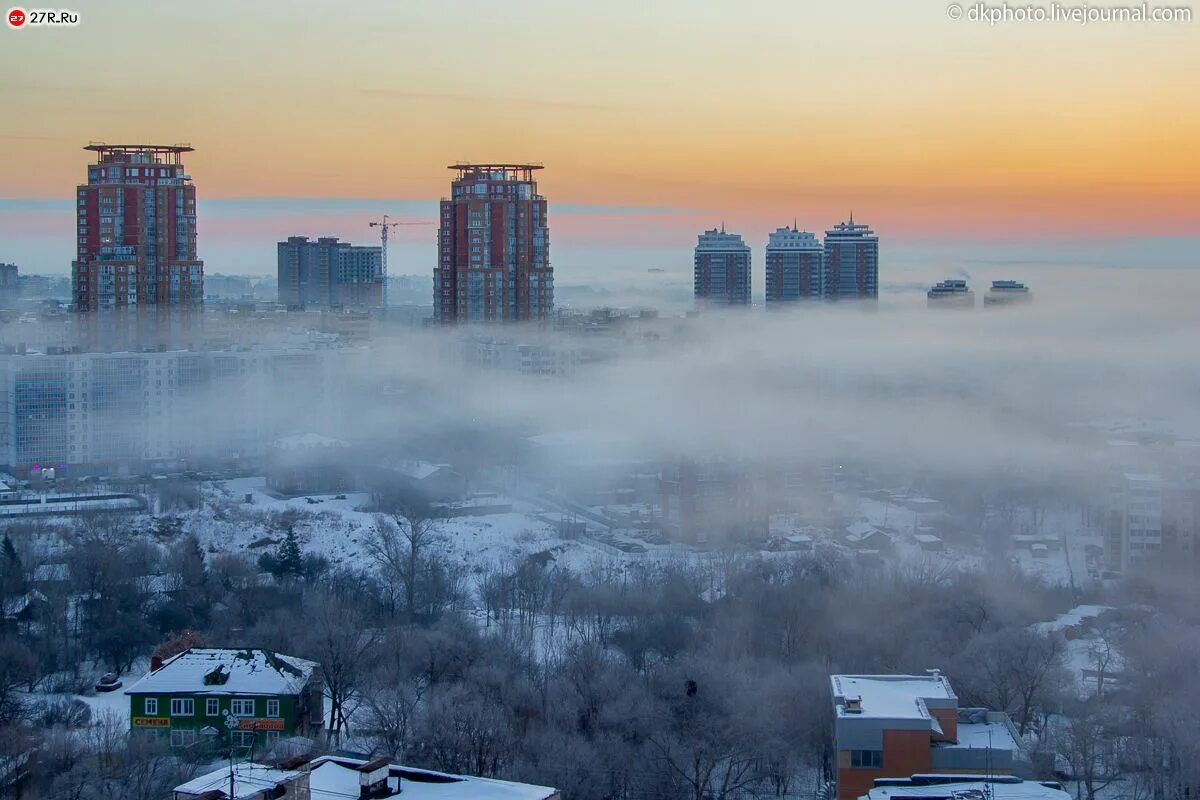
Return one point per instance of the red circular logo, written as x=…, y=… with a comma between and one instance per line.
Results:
x=16, y=17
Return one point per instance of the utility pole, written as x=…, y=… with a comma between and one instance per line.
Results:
x=383, y=226
x=231, y=724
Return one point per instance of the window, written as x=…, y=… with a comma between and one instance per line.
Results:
x=151, y=706
x=241, y=708
x=272, y=708
x=242, y=738
x=183, y=707
x=866, y=759
x=183, y=738
x=212, y=707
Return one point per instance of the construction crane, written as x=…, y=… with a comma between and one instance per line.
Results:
x=383, y=225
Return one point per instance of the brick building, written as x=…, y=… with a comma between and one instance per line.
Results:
x=897, y=726
x=493, y=247
x=136, y=232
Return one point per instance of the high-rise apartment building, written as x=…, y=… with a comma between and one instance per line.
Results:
x=329, y=273
x=851, y=262
x=793, y=266
x=722, y=269
x=493, y=247
x=159, y=407
x=136, y=232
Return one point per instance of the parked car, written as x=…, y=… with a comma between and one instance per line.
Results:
x=109, y=682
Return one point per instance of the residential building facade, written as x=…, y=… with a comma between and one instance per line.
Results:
x=329, y=274
x=793, y=266
x=189, y=698
x=136, y=232
x=851, y=262
x=722, y=269
x=64, y=407
x=493, y=247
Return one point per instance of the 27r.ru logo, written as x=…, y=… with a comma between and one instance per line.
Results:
x=42, y=17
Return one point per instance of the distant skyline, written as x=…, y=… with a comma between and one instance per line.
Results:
x=1056, y=136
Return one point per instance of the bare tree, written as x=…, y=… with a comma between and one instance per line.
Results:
x=400, y=544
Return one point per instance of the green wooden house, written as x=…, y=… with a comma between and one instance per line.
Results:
x=241, y=698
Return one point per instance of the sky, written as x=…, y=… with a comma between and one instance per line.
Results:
x=956, y=140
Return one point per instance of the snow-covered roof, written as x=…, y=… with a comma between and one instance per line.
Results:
x=336, y=778
x=891, y=696
x=983, y=735
x=927, y=538
x=417, y=470
x=256, y=672
x=997, y=788
x=303, y=440
x=249, y=781
x=46, y=573
x=1071, y=619
x=861, y=530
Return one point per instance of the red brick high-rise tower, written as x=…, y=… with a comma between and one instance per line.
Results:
x=493, y=247
x=136, y=232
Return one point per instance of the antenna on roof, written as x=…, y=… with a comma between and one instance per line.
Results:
x=794, y=226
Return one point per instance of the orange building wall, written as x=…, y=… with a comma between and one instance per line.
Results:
x=905, y=753
x=948, y=719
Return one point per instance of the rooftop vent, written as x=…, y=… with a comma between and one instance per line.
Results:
x=373, y=779
x=853, y=704
x=216, y=676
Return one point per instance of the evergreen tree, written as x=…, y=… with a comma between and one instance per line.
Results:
x=12, y=572
x=289, y=559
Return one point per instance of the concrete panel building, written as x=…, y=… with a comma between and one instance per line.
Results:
x=329, y=274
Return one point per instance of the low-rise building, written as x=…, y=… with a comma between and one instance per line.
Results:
x=953, y=787
x=338, y=778
x=189, y=698
x=895, y=726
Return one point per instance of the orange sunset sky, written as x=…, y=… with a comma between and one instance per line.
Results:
x=755, y=112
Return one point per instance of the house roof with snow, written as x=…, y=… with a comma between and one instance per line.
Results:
x=417, y=470
x=857, y=531
x=211, y=671
x=336, y=778
x=250, y=781
x=1075, y=618
x=51, y=573
x=953, y=787
x=891, y=696
x=303, y=441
